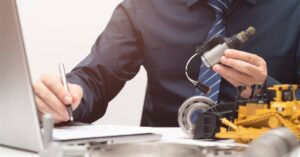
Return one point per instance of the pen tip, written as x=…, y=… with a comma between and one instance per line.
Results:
x=71, y=119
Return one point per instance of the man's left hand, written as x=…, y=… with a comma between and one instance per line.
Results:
x=242, y=68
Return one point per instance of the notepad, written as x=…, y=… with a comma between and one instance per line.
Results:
x=99, y=131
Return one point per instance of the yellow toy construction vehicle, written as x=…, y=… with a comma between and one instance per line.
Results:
x=245, y=120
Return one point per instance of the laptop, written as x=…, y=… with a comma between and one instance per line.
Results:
x=19, y=123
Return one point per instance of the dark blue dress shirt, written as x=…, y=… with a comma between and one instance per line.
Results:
x=161, y=35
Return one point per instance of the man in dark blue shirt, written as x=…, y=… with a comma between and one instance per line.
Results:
x=162, y=35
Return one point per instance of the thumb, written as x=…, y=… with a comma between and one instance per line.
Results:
x=77, y=94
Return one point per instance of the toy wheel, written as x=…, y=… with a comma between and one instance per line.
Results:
x=189, y=110
x=274, y=122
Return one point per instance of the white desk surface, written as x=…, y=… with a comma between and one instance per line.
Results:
x=173, y=135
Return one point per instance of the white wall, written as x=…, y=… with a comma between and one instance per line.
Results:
x=63, y=31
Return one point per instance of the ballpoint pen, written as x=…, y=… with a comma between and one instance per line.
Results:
x=66, y=87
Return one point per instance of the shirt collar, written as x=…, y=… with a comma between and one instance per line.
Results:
x=191, y=2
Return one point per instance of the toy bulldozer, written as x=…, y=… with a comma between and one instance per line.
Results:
x=245, y=120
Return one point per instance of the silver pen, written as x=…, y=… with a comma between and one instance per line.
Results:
x=62, y=72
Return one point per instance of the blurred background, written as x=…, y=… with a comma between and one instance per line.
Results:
x=64, y=31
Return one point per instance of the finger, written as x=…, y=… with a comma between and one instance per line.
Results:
x=54, y=84
x=50, y=99
x=43, y=108
x=40, y=115
x=244, y=56
x=229, y=73
x=76, y=92
x=76, y=101
x=240, y=66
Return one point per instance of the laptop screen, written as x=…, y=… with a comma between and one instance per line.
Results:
x=19, y=126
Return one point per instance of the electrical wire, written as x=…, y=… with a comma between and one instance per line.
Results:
x=194, y=82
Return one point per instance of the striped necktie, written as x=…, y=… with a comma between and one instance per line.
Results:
x=206, y=75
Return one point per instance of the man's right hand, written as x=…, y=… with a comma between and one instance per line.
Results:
x=51, y=97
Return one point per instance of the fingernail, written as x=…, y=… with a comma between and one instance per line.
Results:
x=75, y=95
x=216, y=68
x=67, y=99
x=223, y=59
x=227, y=51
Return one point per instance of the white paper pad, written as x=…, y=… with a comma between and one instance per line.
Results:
x=96, y=131
x=176, y=135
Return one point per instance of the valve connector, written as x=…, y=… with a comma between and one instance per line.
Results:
x=245, y=35
x=212, y=56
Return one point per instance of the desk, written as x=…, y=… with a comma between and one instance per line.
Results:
x=7, y=152
x=169, y=135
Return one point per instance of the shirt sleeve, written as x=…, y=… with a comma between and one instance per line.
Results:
x=115, y=58
x=270, y=81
